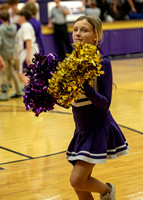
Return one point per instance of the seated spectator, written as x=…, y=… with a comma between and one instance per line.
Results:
x=138, y=5
x=92, y=9
x=127, y=9
x=105, y=7
x=86, y=3
x=120, y=10
x=137, y=9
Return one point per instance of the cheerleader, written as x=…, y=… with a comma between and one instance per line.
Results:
x=97, y=136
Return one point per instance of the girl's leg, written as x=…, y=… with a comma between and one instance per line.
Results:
x=82, y=181
x=84, y=195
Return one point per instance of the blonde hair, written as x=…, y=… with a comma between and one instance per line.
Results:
x=97, y=26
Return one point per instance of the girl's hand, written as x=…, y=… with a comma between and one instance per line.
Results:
x=2, y=67
x=2, y=64
x=28, y=60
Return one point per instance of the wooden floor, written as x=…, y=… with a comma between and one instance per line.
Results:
x=32, y=149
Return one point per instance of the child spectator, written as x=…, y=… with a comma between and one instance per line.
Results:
x=37, y=6
x=33, y=1
x=26, y=45
x=7, y=42
x=36, y=25
x=13, y=9
x=3, y=6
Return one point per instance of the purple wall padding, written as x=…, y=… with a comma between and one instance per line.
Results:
x=115, y=42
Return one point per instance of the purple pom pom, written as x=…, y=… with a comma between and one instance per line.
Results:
x=36, y=97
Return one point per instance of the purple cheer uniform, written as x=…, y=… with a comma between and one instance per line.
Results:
x=97, y=136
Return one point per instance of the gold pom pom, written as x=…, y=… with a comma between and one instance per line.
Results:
x=82, y=64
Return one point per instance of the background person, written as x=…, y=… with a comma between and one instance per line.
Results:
x=36, y=25
x=92, y=9
x=7, y=44
x=13, y=9
x=57, y=20
x=25, y=46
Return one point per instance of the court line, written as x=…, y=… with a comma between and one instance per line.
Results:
x=15, y=161
x=1, y=168
x=21, y=154
x=131, y=129
x=53, y=154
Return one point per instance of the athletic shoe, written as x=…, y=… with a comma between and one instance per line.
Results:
x=15, y=95
x=4, y=96
x=109, y=195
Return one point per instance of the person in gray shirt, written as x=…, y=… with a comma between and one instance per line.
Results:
x=7, y=43
x=57, y=20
